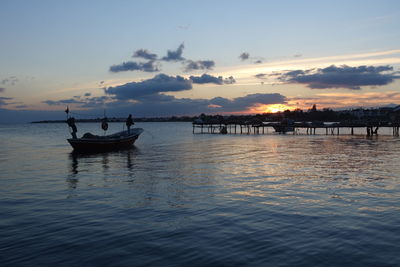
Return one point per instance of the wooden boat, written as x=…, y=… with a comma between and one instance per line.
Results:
x=89, y=142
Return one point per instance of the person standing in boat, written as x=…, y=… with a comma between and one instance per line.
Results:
x=129, y=122
x=71, y=124
x=104, y=124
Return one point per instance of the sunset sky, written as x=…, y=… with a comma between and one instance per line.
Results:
x=163, y=58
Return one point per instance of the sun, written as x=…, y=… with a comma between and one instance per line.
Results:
x=271, y=108
x=274, y=108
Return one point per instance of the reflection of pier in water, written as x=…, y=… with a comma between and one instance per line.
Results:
x=309, y=128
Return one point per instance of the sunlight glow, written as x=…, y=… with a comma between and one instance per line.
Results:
x=272, y=108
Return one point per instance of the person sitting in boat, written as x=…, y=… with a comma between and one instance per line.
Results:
x=71, y=124
x=129, y=122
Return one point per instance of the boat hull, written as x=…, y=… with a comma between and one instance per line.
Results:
x=121, y=140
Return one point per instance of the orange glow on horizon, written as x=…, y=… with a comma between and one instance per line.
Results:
x=272, y=108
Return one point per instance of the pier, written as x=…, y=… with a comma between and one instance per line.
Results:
x=308, y=128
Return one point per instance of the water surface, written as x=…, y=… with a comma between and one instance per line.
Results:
x=177, y=198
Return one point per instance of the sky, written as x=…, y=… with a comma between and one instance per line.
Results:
x=175, y=58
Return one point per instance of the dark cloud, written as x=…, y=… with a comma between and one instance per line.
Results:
x=144, y=53
x=160, y=83
x=244, y=56
x=149, y=66
x=175, y=55
x=85, y=103
x=229, y=80
x=206, y=78
x=261, y=76
x=341, y=77
x=298, y=55
x=148, y=105
x=147, y=98
x=245, y=102
x=2, y=89
x=95, y=102
x=87, y=94
x=199, y=65
x=162, y=105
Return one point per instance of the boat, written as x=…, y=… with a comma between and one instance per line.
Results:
x=283, y=128
x=91, y=143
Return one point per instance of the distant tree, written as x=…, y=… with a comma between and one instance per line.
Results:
x=314, y=108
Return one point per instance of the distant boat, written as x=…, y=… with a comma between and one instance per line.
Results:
x=90, y=143
x=283, y=128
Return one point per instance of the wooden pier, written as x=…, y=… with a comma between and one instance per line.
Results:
x=308, y=128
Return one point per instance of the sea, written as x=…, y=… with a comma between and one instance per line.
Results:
x=183, y=199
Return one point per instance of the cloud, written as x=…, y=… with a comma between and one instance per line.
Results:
x=131, y=66
x=244, y=56
x=12, y=80
x=21, y=106
x=3, y=100
x=160, y=83
x=229, y=80
x=261, y=76
x=95, y=102
x=148, y=98
x=341, y=77
x=206, y=78
x=248, y=101
x=199, y=65
x=144, y=53
x=175, y=55
x=256, y=60
x=2, y=89
x=91, y=102
x=62, y=102
x=163, y=105
x=344, y=100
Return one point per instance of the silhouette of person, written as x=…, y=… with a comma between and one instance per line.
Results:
x=71, y=124
x=129, y=122
x=104, y=123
